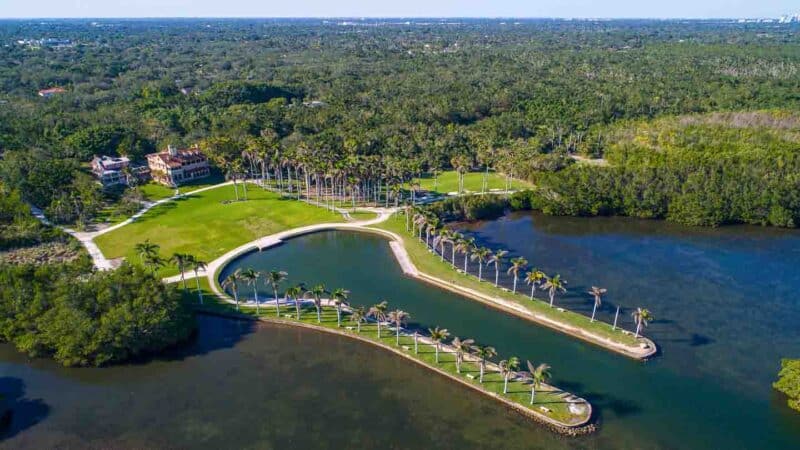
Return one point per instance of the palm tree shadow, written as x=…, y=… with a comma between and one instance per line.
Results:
x=18, y=413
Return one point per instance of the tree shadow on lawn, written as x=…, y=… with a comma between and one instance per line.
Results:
x=18, y=413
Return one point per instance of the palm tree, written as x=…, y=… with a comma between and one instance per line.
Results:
x=597, y=293
x=480, y=254
x=358, y=315
x=497, y=259
x=461, y=347
x=398, y=317
x=554, y=285
x=316, y=293
x=153, y=262
x=455, y=240
x=465, y=246
x=437, y=336
x=642, y=317
x=507, y=367
x=517, y=264
x=294, y=292
x=378, y=312
x=230, y=282
x=146, y=249
x=534, y=278
x=274, y=278
x=537, y=375
x=198, y=265
x=181, y=260
x=484, y=353
x=339, y=297
x=250, y=276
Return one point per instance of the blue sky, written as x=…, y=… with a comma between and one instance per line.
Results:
x=398, y=8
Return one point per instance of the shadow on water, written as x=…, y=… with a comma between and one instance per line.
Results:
x=24, y=412
x=225, y=334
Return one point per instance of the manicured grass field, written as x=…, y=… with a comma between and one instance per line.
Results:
x=448, y=182
x=432, y=265
x=153, y=191
x=519, y=392
x=207, y=224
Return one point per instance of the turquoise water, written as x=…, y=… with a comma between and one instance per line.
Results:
x=724, y=300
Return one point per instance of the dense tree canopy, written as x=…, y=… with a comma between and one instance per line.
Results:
x=518, y=97
x=86, y=319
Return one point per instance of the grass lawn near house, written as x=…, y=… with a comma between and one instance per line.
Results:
x=154, y=191
x=209, y=223
x=551, y=398
x=448, y=182
x=431, y=264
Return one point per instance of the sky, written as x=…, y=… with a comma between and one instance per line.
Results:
x=399, y=8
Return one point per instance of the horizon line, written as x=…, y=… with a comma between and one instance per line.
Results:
x=371, y=17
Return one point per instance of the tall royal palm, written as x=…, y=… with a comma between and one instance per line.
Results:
x=465, y=246
x=507, y=367
x=197, y=265
x=274, y=278
x=250, y=276
x=230, y=283
x=398, y=318
x=378, y=312
x=437, y=336
x=480, y=254
x=316, y=294
x=181, y=260
x=535, y=278
x=538, y=375
x=462, y=347
x=517, y=264
x=497, y=259
x=359, y=316
x=642, y=317
x=455, y=240
x=294, y=293
x=339, y=297
x=484, y=353
x=553, y=286
x=597, y=293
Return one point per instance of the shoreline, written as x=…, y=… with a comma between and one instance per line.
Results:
x=586, y=426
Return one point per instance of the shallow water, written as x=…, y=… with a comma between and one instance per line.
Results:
x=723, y=299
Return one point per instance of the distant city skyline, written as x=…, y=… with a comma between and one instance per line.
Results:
x=689, y=9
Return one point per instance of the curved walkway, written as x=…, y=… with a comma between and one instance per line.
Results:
x=408, y=267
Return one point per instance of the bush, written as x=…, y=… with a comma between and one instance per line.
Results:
x=789, y=381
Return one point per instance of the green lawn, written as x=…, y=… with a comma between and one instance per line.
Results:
x=518, y=391
x=204, y=226
x=363, y=215
x=431, y=265
x=153, y=191
x=448, y=182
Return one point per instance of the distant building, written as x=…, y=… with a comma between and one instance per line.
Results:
x=51, y=92
x=177, y=166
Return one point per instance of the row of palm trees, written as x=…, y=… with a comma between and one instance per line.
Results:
x=380, y=314
x=420, y=221
x=319, y=175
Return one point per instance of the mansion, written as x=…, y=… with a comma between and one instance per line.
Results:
x=177, y=166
